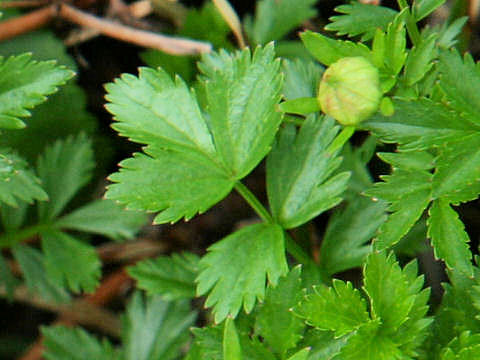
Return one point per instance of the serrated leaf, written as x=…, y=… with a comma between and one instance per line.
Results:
x=344, y=245
x=420, y=60
x=155, y=328
x=360, y=19
x=274, y=19
x=419, y=125
x=448, y=33
x=25, y=83
x=235, y=269
x=242, y=92
x=31, y=262
x=413, y=160
x=172, y=277
x=232, y=349
x=64, y=168
x=299, y=169
x=368, y=343
x=460, y=82
x=104, y=217
x=324, y=345
x=449, y=239
x=62, y=343
x=275, y=323
x=328, y=51
x=340, y=308
x=17, y=181
x=409, y=194
x=396, y=42
x=301, y=78
x=389, y=290
x=70, y=262
x=423, y=8
x=177, y=184
x=185, y=144
x=457, y=175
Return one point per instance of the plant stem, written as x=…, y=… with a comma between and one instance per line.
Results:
x=12, y=238
x=253, y=202
x=411, y=24
x=296, y=251
x=341, y=139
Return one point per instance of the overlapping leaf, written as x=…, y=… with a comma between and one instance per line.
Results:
x=299, y=169
x=194, y=157
x=236, y=268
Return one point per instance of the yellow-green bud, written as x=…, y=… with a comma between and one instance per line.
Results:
x=350, y=90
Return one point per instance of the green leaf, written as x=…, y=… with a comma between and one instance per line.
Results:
x=420, y=60
x=242, y=92
x=409, y=194
x=368, y=343
x=208, y=343
x=328, y=51
x=178, y=184
x=13, y=217
x=340, y=308
x=275, y=323
x=423, y=8
x=235, y=269
x=25, y=83
x=323, y=344
x=155, y=328
x=449, y=239
x=64, y=168
x=360, y=19
x=344, y=245
x=275, y=19
x=389, y=289
x=457, y=176
x=300, y=184
x=62, y=343
x=396, y=42
x=7, y=279
x=448, y=33
x=31, y=262
x=301, y=78
x=70, y=262
x=300, y=106
x=418, y=125
x=17, y=181
x=104, y=217
x=172, y=277
x=301, y=355
x=232, y=349
x=460, y=82
x=413, y=160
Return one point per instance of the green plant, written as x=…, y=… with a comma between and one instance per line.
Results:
x=270, y=296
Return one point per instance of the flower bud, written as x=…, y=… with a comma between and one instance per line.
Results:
x=350, y=90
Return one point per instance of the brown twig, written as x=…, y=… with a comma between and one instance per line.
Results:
x=170, y=45
x=129, y=251
x=25, y=23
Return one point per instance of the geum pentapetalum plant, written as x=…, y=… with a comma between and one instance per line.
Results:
x=200, y=143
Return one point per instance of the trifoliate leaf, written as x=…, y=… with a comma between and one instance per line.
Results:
x=177, y=183
x=235, y=269
x=70, y=262
x=460, y=82
x=275, y=19
x=172, y=277
x=299, y=169
x=17, y=181
x=62, y=343
x=64, y=168
x=360, y=19
x=155, y=328
x=345, y=243
x=301, y=78
x=194, y=157
x=449, y=239
x=24, y=84
x=32, y=262
x=457, y=176
x=418, y=125
x=275, y=322
x=409, y=194
x=242, y=92
x=104, y=217
x=328, y=51
x=340, y=308
x=389, y=290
